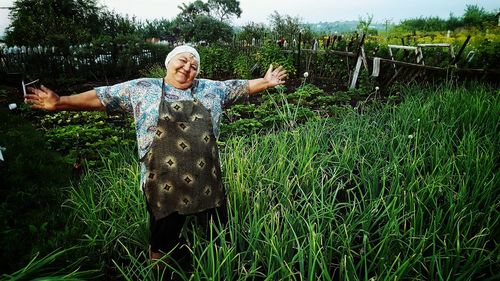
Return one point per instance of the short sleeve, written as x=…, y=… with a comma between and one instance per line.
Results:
x=235, y=90
x=116, y=98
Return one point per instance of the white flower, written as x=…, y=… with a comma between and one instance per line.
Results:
x=418, y=120
x=410, y=136
x=306, y=74
x=377, y=88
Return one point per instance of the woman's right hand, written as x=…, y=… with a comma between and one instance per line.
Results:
x=43, y=98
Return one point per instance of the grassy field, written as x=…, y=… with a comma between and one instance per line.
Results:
x=386, y=192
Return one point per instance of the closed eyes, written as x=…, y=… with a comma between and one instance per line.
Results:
x=193, y=65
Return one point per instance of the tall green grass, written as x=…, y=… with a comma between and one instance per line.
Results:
x=385, y=193
x=409, y=192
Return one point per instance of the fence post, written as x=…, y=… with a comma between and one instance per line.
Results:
x=360, y=59
x=457, y=57
x=298, y=55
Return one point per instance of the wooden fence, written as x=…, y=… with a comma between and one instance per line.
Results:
x=80, y=62
x=346, y=67
x=322, y=62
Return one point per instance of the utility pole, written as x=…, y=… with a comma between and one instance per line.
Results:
x=387, y=21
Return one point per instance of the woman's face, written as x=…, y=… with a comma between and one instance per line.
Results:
x=182, y=70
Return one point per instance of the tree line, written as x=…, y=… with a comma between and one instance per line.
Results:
x=474, y=17
x=62, y=23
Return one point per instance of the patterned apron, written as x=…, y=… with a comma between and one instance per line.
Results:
x=183, y=170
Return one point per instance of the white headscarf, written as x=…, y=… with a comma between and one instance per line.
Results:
x=184, y=49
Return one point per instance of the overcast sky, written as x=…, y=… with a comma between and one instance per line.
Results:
x=310, y=11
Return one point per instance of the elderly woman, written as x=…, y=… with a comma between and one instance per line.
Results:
x=177, y=121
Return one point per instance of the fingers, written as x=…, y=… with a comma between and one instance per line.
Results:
x=269, y=70
x=276, y=76
x=34, y=97
x=45, y=89
x=279, y=72
x=31, y=99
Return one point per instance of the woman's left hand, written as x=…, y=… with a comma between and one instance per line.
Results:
x=276, y=76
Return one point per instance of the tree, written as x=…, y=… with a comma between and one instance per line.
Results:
x=253, y=30
x=224, y=9
x=453, y=22
x=476, y=16
x=155, y=28
x=192, y=10
x=211, y=30
x=364, y=24
x=424, y=24
x=196, y=21
x=62, y=23
x=113, y=25
x=203, y=28
x=285, y=26
x=52, y=22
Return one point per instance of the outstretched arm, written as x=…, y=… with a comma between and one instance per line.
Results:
x=272, y=78
x=46, y=99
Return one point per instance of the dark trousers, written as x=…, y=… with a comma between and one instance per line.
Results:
x=166, y=232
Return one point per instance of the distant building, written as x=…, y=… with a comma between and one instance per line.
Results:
x=153, y=40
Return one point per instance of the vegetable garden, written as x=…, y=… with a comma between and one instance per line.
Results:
x=324, y=182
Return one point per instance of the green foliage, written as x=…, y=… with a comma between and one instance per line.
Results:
x=486, y=55
x=32, y=176
x=275, y=111
x=156, y=70
x=51, y=22
x=216, y=61
x=474, y=17
x=64, y=23
x=364, y=24
x=243, y=67
x=203, y=28
x=286, y=26
x=210, y=30
x=192, y=10
x=109, y=204
x=113, y=25
x=270, y=53
x=338, y=98
x=240, y=110
x=252, y=31
x=424, y=24
x=39, y=267
x=200, y=21
x=246, y=126
x=87, y=135
x=155, y=28
x=328, y=65
x=305, y=94
x=224, y=9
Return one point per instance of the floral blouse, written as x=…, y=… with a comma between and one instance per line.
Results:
x=141, y=98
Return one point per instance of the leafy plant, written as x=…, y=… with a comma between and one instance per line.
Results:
x=270, y=53
x=242, y=67
x=216, y=62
